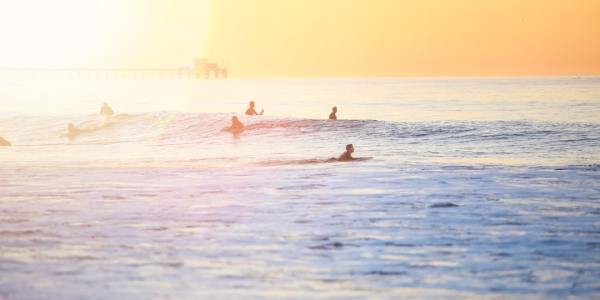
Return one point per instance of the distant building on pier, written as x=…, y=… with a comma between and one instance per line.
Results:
x=204, y=69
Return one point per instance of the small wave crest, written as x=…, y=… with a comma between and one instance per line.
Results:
x=173, y=127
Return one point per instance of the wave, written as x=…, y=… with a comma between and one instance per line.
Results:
x=179, y=128
x=310, y=161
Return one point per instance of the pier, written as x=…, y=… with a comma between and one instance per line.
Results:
x=202, y=69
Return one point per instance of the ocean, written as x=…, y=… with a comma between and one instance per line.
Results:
x=476, y=188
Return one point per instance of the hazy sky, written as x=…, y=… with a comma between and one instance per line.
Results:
x=309, y=37
x=102, y=33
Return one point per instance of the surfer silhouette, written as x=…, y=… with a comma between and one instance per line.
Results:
x=72, y=131
x=332, y=115
x=236, y=125
x=105, y=110
x=251, y=111
x=347, y=156
x=4, y=142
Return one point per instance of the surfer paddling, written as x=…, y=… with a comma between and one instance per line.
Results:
x=251, y=111
x=347, y=156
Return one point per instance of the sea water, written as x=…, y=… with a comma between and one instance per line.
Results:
x=477, y=188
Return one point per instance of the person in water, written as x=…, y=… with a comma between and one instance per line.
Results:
x=4, y=142
x=347, y=156
x=72, y=131
x=236, y=125
x=251, y=111
x=106, y=110
x=332, y=115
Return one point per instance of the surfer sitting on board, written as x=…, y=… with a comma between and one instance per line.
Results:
x=106, y=110
x=332, y=115
x=251, y=111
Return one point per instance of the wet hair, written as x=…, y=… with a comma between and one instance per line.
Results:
x=251, y=103
x=349, y=146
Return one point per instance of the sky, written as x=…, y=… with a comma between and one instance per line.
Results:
x=102, y=33
x=314, y=38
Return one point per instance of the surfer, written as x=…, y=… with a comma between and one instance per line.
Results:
x=72, y=131
x=347, y=156
x=251, y=111
x=332, y=115
x=236, y=125
x=106, y=110
x=4, y=142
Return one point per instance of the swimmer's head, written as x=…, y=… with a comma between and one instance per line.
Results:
x=234, y=119
x=251, y=103
x=350, y=148
x=334, y=109
x=71, y=126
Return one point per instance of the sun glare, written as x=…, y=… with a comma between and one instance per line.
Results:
x=86, y=33
x=53, y=33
